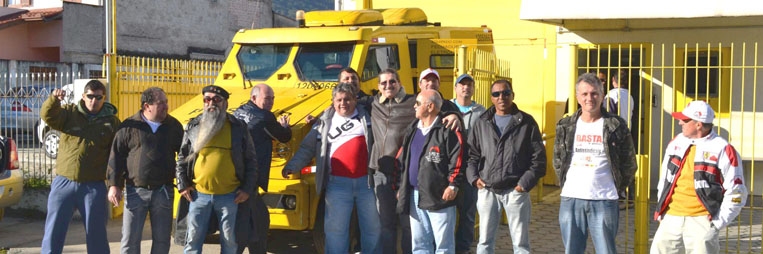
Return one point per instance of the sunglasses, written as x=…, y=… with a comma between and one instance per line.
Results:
x=94, y=96
x=506, y=92
x=215, y=99
x=388, y=82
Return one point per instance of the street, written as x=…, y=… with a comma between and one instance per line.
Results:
x=23, y=235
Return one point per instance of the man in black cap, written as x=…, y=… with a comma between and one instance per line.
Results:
x=216, y=170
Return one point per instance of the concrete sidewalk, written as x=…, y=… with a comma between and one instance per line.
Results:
x=23, y=235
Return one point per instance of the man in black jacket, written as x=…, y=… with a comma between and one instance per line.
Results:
x=143, y=156
x=253, y=217
x=506, y=160
x=216, y=171
x=431, y=161
x=391, y=112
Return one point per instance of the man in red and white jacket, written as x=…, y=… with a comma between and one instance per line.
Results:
x=701, y=187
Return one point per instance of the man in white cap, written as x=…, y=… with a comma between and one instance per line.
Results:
x=701, y=187
x=430, y=79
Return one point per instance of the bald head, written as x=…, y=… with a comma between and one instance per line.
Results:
x=427, y=106
x=262, y=96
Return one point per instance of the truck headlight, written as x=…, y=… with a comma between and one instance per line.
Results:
x=290, y=202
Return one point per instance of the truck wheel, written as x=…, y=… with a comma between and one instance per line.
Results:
x=50, y=143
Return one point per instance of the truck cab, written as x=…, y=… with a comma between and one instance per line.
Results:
x=302, y=65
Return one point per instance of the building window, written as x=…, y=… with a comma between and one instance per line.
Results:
x=702, y=69
x=18, y=3
x=41, y=73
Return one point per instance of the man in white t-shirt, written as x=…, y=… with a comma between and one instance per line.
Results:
x=593, y=152
x=619, y=99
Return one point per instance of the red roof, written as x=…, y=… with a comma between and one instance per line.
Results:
x=32, y=15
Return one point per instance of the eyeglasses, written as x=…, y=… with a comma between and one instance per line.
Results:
x=94, y=96
x=215, y=99
x=506, y=92
x=388, y=82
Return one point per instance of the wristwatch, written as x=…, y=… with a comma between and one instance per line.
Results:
x=454, y=188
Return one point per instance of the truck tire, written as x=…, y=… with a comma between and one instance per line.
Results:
x=50, y=143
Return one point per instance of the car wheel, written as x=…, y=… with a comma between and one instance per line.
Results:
x=50, y=143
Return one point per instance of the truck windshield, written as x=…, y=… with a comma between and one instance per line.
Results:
x=259, y=62
x=322, y=62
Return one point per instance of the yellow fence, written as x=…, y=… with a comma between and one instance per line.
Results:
x=180, y=79
x=663, y=78
x=484, y=66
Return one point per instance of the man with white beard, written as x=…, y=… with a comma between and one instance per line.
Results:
x=216, y=170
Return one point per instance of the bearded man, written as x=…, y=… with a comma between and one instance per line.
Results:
x=216, y=170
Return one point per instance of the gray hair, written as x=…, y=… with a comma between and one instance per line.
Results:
x=256, y=89
x=591, y=79
x=435, y=99
x=149, y=95
x=347, y=88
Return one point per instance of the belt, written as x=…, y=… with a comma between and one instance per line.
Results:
x=152, y=186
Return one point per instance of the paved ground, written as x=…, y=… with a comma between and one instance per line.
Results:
x=23, y=235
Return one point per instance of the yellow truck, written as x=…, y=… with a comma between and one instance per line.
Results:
x=302, y=64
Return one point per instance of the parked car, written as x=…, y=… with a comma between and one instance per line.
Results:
x=50, y=137
x=11, y=178
x=20, y=108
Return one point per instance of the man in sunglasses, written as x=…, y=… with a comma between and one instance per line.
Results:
x=87, y=130
x=142, y=161
x=391, y=112
x=506, y=159
x=594, y=160
x=216, y=171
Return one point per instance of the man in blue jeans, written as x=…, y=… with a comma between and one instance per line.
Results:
x=87, y=129
x=216, y=170
x=431, y=158
x=340, y=145
x=594, y=160
x=506, y=160
x=142, y=161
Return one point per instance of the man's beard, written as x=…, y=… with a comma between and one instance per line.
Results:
x=210, y=124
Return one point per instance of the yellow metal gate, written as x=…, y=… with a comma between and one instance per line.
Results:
x=662, y=79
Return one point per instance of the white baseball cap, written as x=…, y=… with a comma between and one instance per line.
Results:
x=427, y=72
x=696, y=110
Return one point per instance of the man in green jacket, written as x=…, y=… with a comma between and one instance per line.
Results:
x=87, y=130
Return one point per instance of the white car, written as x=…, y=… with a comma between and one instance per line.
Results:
x=49, y=137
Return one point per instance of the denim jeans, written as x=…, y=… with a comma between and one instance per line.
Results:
x=578, y=216
x=87, y=197
x=341, y=194
x=517, y=206
x=466, y=204
x=138, y=203
x=199, y=212
x=386, y=203
x=432, y=231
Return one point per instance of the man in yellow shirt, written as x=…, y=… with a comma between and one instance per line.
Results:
x=216, y=170
x=701, y=187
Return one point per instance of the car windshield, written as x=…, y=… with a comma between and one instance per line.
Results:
x=322, y=62
x=259, y=62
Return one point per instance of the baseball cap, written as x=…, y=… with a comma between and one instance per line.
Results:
x=464, y=76
x=696, y=110
x=427, y=72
